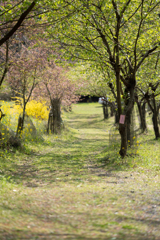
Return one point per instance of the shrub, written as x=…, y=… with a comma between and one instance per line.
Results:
x=34, y=109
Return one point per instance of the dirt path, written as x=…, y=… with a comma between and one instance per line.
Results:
x=65, y=190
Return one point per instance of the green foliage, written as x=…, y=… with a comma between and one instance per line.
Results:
x=10, y=11
x=90, y=81
x=78, y=31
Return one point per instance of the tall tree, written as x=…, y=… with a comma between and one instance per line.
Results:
x=148, y=90
x=58, y=91
x=23, y=77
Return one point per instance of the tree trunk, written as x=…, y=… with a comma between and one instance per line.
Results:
x=54, y=120
x=158, y=108
x=155, y=126
x=21, y=123
x=140, y=113
x=129, y=128
x=125, y=126
x=123, y=133
x=1, y=114
x=105, y=111
x=19, y=126
x=126, y=133
x=116, y=117
x=155, y=109
x=142, y=116
x=143, y=121
x=111, y=111
x=155, y=120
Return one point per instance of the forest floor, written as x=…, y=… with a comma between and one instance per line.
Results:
x=75, y=185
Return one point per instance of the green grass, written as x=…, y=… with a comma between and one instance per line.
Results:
x=75, y=186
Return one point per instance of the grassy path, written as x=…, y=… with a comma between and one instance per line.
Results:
x=73, y=186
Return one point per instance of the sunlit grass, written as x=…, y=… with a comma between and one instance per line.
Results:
x=75, y=185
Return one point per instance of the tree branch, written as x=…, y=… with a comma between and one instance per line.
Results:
x=116, y=9
x=145, y=56
x=6, y=65
x=18, y=24
x=11, y=8
x=137, y=37
x=125, y=6
x=131, y=15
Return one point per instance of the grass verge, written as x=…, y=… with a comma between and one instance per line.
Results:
x=75, y=186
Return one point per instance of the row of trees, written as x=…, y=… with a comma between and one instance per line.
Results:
x=119, y=40
x=31, y=75
x=146, y=93
x=26, y=65
x=114, y=36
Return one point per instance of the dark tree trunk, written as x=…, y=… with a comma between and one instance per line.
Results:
x=125, y=128
x=155, y=119
x=155, y=126
x=123, y=133
x=54, y=120
x=143, y=120
x=142, y=115
x=105, y=111
x=116, y=117
x=19, y=126
x=126, y=134
x=158, y=108
x=130, y=128
x=1, y=114
x=112, y=110
x=21, y=123
x=155, y=109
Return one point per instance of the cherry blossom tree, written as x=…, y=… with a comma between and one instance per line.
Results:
x=58, y=91
x=23, y=77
